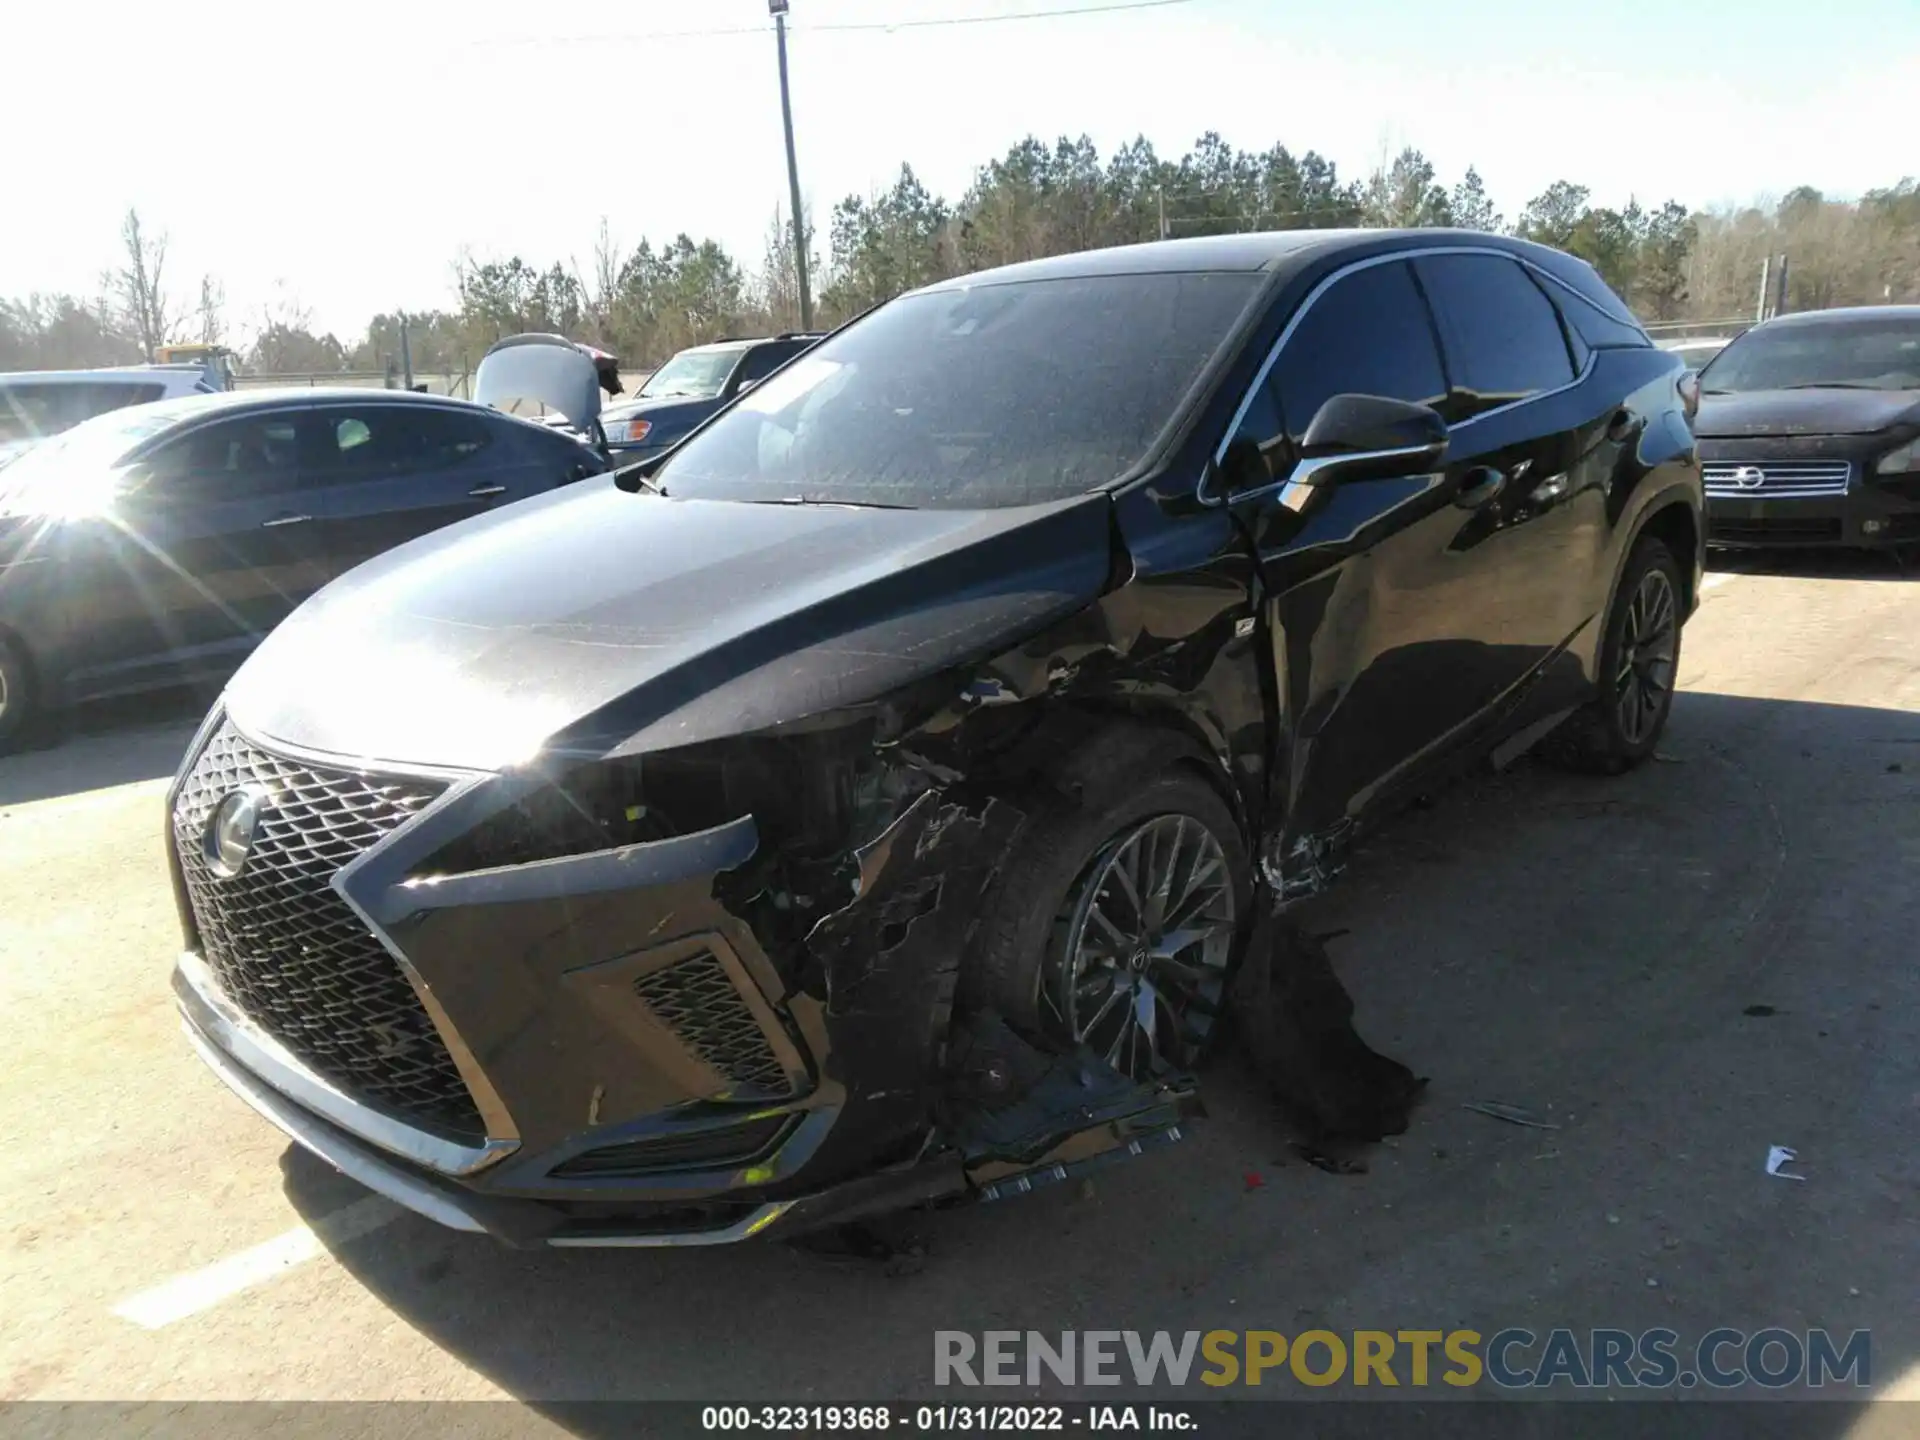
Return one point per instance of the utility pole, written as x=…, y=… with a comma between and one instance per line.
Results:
x=406, y=353
x=778, y=9
x=1160, y=194
x=1780, y=289
x=1760, y=305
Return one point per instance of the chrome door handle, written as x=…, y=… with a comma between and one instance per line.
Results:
x=285, y=520
x=1478, y=486
x=480, y=492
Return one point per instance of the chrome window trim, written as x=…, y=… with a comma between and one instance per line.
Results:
x=1204, y=494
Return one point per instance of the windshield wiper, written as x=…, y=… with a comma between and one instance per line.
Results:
x=843, y=504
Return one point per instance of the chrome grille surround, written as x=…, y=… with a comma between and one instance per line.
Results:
x=1779, y=479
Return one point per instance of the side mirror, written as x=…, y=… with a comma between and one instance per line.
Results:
x=1369, y=437
x=746, y=385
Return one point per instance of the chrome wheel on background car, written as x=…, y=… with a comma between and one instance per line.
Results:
x=1142, y=963
x=1643, y=682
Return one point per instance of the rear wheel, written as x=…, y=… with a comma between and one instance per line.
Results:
x=17, y=697
x=1116, y=919
x=1639, y=665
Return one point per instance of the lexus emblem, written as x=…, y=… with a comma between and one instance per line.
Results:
x=229, y=836
x=1749, y=477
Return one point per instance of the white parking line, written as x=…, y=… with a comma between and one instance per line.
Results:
x=1718, y=577
x=198, y=1290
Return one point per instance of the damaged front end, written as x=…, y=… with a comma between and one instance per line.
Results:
x=680, y=997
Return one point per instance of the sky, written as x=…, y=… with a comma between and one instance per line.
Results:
x=339, y=156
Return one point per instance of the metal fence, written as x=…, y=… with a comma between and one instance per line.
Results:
x=1698, y=329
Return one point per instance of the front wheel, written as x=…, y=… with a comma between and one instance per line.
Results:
x=1117, y=918
x=1639, y=667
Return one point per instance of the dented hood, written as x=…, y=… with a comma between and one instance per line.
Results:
x=595, y=621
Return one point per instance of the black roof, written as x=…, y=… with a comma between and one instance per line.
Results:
x=1846, y=314
x=1251, y=251
x=1284, y=253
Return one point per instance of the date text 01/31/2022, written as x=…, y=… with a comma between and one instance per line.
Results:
x=924, y=1419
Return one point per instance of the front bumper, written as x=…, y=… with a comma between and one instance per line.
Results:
x=1806, y=491
x=642, y=1067
x=243, y=1058
x=1863, y=518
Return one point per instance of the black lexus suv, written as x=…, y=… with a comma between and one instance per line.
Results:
x=866, y=802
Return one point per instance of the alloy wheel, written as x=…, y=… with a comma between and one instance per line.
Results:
x=1649, y=643
x=1139, y=976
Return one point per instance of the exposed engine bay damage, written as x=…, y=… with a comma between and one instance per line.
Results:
x=765, y=939
x=883, y=830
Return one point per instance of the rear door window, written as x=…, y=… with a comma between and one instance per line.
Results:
x=102, y=397
x=379, y=441
x=1367, y=335
x=33, y=412
x=1502, y=336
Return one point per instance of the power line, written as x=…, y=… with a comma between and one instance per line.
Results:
x=840, y=27
x=998, y=19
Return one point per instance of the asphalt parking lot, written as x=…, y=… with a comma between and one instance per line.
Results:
x=1677, y=969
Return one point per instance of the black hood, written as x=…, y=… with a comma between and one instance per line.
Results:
x=1805, y=412
x=593, y=621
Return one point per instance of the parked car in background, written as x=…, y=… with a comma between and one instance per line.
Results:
x=862, y=803
x=35, y=405
x=1697, y=351
x=690, y=387
x=1810, y=431
x=158, y=544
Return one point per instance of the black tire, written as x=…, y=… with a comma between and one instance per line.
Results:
x=1110, y=790
x=1639, y=665
x=19, y=696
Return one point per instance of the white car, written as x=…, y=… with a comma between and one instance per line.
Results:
x=37, y=403
x=1697, y=350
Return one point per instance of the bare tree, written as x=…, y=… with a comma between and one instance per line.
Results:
x=600, y=293
x=210, y=313
x=138, y=288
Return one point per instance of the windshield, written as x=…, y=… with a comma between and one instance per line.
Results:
x=975, y=397
x=701, y=374
x=1880, y=354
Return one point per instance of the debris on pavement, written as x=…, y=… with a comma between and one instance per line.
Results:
x=1253, y=1180
x=1294, y=1020
x=1512, y=1114
x=883, y=1241
x=1760, y=1011
x=1333, y=1164
x=1780, y=1156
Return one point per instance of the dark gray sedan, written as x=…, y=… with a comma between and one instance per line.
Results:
x=158, y=544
